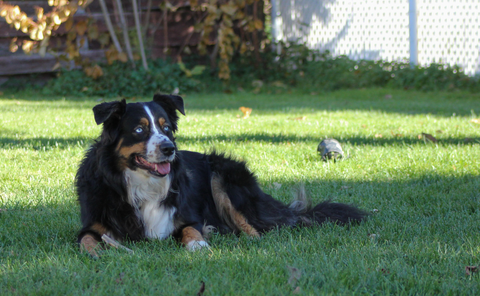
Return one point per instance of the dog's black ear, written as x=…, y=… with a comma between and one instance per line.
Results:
x=169, y=101
x=105, y=111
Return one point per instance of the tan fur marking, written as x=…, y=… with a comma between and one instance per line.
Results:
x=227, y=212
x=161, y=120
x=144, y=121
x=99, y=228
x=190, y=234
x=119, y=145
x=90, y=244
x=129, y=150
x=125, y=152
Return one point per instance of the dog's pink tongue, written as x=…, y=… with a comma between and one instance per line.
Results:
x=162, y=168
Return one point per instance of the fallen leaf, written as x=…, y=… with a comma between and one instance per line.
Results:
x=297, y=290
x=476, y=120
x=278, y=84
x=119, y=280
x=295, y=275
x=396, y=135
x=300, y=118
x=246, y=111
x=471, y=269
x=257, y=83
x=56, y=66
x=202, y=289
x=378, y=136
x=428, y=137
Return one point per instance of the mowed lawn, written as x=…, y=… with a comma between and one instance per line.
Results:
x=423, y=196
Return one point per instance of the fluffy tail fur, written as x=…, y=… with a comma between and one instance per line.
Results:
x=325, y=211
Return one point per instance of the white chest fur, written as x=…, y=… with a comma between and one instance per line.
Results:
x=145, y=192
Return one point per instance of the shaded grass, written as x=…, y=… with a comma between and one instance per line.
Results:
x=427, y=195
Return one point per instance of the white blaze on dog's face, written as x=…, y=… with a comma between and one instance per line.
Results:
x=146, y=139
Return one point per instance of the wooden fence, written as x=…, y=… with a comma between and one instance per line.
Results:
x=179, y=27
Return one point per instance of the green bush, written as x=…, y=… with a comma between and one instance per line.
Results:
x=288, y=66
x=310, y=70
x=119, y=79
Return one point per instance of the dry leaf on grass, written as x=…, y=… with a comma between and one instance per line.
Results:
x=277, y=185
x=202, y=289
x=427, y=137
x=299, y=118
x=246, y=111
x=295, y=275
x=476, y=120
x=378, y=136
x=471, y=269
x=119, y=280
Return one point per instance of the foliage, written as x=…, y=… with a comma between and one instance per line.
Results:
x=119, y=79
x=234, y=27
x=295, y=65
x=40, y=30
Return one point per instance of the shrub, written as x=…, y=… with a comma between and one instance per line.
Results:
x=292, y=66
x=119, y=79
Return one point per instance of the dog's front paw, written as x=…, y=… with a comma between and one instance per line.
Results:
x=195, y=245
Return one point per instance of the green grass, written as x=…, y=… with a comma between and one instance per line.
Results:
x=427, y=227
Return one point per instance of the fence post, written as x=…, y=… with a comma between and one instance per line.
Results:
x=413, y=32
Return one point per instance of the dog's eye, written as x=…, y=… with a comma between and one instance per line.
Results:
x=166, y=128
x=139, y=130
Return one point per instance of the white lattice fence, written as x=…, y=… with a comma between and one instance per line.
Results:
x=448, y=31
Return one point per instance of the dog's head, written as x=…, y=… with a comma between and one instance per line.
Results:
x=141, y=134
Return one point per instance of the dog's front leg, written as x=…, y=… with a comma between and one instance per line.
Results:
x=90, y=244
x=193, y=239
x=90, y=239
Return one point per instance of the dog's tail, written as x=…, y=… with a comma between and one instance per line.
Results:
x=325, y=211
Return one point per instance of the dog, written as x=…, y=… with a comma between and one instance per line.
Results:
x=134, y=184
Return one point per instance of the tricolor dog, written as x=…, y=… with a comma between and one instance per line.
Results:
x=134, y=184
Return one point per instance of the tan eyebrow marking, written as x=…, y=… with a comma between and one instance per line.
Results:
x=162, y=121
x=144, y=121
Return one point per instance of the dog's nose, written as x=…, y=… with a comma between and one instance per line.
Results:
x=167, y=148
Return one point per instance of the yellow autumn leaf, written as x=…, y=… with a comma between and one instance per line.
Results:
x=246, y=111
x=229, y=8
x=81, y=27
x=258, y=24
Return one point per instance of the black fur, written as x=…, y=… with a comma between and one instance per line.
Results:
x=103, y=195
